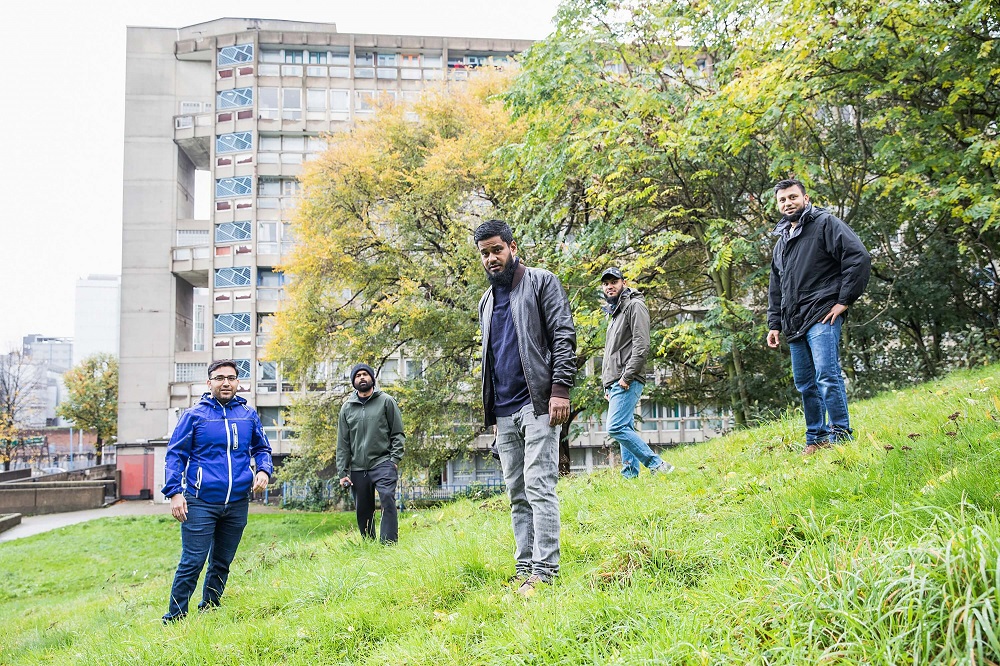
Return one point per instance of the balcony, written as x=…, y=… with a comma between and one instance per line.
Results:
x=191, y=256
x=193, y=134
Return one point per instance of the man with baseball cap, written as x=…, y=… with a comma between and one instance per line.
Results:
x=624, y=371
x=369, y=447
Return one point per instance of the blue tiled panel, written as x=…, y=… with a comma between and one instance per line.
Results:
x=234, y=55
x=233, y=187
x=236, y=98
x=226, y=278
x=232, y=323
x=232, y=232
x=234, y=143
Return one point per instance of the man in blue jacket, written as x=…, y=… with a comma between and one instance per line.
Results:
x=209, y=480
x=818, y=269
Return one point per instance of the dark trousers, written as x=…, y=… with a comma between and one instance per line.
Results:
x=382, y=478
x=211, y=531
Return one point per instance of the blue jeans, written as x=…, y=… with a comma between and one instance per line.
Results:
x=621, y=428
x=210, y=531
x=817, y=374
x=529, y=455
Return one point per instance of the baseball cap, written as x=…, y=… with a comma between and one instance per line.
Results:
x=612, y=272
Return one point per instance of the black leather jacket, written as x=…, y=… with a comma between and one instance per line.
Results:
x=546, y=338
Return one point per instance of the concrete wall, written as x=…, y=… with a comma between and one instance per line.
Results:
x=15, y=475
x=32, y=499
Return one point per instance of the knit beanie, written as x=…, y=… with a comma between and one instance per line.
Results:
x=358, y=368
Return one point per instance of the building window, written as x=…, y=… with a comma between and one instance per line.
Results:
x=340, y=55
x=233, y=55
x=243, y=368
x=317, y=57
x=228, y=278
x=291, y=104
x=190, y=372
x=293, y=57
x=198, y=343
x=270, y=55
x=234, y=99
x=233, y=187
x=234, y=143
x=232, y=323
x=340, y=104
x=267, y=104
x=268, y=277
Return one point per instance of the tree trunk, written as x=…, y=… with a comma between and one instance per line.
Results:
x=99, y=449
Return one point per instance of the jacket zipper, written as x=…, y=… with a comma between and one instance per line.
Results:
x=229, y=455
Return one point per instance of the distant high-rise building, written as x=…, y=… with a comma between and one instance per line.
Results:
x=48, y=358
x=97, y=321
x=55, y=353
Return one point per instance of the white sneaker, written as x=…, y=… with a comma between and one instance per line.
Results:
x=663, y=468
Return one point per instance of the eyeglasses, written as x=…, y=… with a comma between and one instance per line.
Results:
x=224, y=378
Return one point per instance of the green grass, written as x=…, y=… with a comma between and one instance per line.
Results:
x=882, y=551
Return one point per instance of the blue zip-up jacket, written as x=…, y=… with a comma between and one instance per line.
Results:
x=210, y=451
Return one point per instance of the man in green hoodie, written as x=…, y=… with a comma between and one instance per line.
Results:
x=369, y=447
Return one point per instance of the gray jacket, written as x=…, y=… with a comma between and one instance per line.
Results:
x=546, y=338
x=627, y=345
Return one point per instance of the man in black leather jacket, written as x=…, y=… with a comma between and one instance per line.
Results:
x=529, y=366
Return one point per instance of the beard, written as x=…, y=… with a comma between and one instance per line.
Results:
x=794, y=217
x=363, y=386
x=505, y=277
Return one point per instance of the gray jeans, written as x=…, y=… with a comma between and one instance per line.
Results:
x=529, y=455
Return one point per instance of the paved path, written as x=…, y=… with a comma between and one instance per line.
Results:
x=37, y=524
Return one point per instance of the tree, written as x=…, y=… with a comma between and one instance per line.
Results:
x=385, y=261
x=92, y=402
x=21, y=386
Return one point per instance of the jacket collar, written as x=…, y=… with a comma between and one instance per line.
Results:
x=354, y=397
x=209, y=400
x=518, y=274
x=784, y=226
x=625, y=296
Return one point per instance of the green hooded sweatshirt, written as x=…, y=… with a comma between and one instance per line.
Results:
x=369, y=433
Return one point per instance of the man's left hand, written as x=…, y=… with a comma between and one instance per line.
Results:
x=835, y=311
x=624, y=384
x=558, y=410
x=260, y=481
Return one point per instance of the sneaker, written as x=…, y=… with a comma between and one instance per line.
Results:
x=814, y=447
x=528, y=587
x=663, y=468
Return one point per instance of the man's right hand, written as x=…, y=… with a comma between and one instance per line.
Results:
x=179, y=507
x=346, y=482
x=773, y=339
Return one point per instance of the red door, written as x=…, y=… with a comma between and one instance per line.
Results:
x=136, y=474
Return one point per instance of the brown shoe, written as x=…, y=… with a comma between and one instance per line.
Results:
x=527, y=589
x=517, y=580
x=813, y=448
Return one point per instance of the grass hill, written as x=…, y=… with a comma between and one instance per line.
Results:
x=882, y=551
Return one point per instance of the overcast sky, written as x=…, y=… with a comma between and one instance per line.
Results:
x=63, y=77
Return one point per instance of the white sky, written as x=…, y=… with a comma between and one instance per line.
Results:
x=63, y=76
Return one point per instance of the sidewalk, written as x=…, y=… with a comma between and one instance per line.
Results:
x=31, y=525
